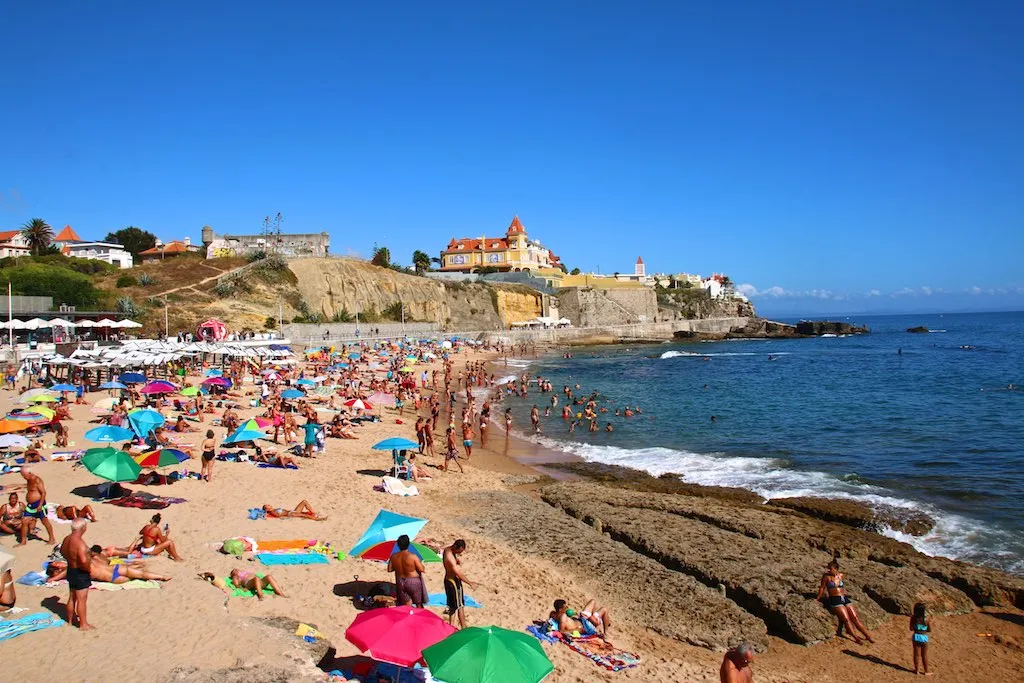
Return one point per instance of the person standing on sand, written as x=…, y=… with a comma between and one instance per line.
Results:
x=736, y=665
x=508, y=421
x=467, y=438
x=453, y=580
x=35, y=505
x=408, y=568
x=75, y=551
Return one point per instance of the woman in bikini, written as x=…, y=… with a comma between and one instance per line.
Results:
x=251, y=582
x=303, y=510
x=71, y=513
x=209, y=449
x=11, y=515
x=7, y=595
x=839, y=603
x=153, y=541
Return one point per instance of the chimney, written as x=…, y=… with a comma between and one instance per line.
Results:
x=188, y=241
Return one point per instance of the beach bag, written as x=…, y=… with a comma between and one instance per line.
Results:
x=233, y=546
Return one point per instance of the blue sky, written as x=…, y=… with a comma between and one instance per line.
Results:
x=816, y=152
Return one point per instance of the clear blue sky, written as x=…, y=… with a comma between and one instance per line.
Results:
x=826, y=150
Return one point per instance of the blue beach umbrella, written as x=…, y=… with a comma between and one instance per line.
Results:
x=132, y=378
x=214, y=372
x=113, y=385
x=109, y=434
x=63, y=387
x=306, y=382
x=292, y=393
x=354, y=356
x=388, y=526
x=245, y=433
x=143, y=421
x=394, y=443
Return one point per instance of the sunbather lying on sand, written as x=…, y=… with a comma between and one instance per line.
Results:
x=303, y=510
x=71, y=513
x=246, y=580
x=275, y=459
x=100, y=569
x=593, y=620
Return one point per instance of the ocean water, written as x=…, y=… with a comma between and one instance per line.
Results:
x=932, y=428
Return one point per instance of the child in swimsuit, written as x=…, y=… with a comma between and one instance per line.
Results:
x=920, y=628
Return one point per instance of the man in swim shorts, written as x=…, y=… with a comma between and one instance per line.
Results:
x=35, y=505
x=467, y=438
x=453, y=579
x=408, y=569
x=75, y=551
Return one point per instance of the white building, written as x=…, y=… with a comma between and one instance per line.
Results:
x=108, y=252
x=13, y=244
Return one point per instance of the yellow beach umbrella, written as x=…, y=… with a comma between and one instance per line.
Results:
x=42, y=398
x=40, y=410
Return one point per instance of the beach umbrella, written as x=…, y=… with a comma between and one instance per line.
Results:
x=488, y=654
x=379, y=398
x=261, y=422
x=387, y=526
x=354, y=356
x=446, y=344
x=63, y=387
x=319, y=378
x=271, y=375
x=113, y=385
x=292, y=393
x=13, y=441
x=407, y=369
x=382, y=552
x=248, y=431
x=106, y=403
x=109, y=434
x=306, y=382
x=394, y=443
x=159, y=387
x=111, y=464
x=43, y=398
x=33, y=392
x=8, y=425
x=214, y=372
x=411, y=360
x=163, y=457
x=132, y=378
x=189, y=391
x=397, y=635
x=218, y=382
x=35, y=413
x=144, y=420
x=359, y=404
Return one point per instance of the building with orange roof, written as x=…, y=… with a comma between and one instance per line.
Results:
x=169, y=250
x=73, y=246
x=13, y=244
x=512, y=252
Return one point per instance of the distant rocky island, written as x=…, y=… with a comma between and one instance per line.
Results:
x=917, y=330
x=762, y=328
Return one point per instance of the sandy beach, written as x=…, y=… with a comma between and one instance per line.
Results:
x=188, y=631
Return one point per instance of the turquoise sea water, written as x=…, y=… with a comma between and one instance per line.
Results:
x=932, y=429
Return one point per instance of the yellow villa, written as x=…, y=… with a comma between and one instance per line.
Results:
x=513, y=252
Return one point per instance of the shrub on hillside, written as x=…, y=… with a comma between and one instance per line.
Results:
x=126, y=281
x=39, y=279
x=126, y=306
x=270, y=323
x=145, y=280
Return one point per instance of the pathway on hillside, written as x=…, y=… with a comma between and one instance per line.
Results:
x=193, y=285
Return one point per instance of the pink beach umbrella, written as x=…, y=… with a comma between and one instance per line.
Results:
x=381, y=399
x=159, y=387
x=218, y=382
x=397, y=635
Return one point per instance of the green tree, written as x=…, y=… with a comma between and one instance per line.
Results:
x=420, y=261
x=270, y=323
x=39, y=279
x=38, y=234
x=575, y=271
x=381, y=257
x=134, y=240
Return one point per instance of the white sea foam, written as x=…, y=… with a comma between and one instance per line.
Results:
x=953, y=536
x=691, y=354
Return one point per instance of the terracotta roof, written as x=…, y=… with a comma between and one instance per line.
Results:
x=8, y=235
x=515, y=227
x=175, y=247
x=639, y=261
x=67, y=235
x=468, y=244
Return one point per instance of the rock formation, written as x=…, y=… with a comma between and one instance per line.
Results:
x=917, y=330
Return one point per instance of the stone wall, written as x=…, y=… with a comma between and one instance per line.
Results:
x=606, y=334
x=589, y=307
x=303, y=333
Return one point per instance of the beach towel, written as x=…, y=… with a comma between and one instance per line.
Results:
x=277, y=467
x=257, y=513
x=33, y=579
x=439, y=600
x=272, y=545
x=133, y=502
x=21, y=461
x=397, y=487
x=245, y=592
x=66, y=456
x=603, y=653
x=13, y=628
x=540, y=634
x=292, y=558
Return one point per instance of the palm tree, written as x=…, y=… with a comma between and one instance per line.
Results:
x=38, y=234
x=420, y=261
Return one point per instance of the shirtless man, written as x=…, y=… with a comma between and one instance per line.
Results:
x=535, y=419
x=736, y=665
x=76, y=553
x=408, y=569
x=593, y=620
x=100, y=569
x=35, y=508
x=467, y=438
x=453, y=580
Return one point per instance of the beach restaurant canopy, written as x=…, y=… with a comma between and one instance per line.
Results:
x=40, y=324
x=149, y=352
x=212, y=330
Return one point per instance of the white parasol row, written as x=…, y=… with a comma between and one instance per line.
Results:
x=40, y=324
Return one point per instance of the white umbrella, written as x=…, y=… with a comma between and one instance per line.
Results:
x=129, y=323
x=106, y=322
x=13, y=441
x=35, y=324
x=85, y=323
x=16, y=324
x=61, y=322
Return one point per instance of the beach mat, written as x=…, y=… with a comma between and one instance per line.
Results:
x=141, y=504
x=134, y=584
x=12, y=628
x=439, y=600
x=292, y=558
x=296, y=544
x=33, y=579
x=65, y=456
x=21, y=461
x=541, y=635
x=266, y=465
x=604, y=654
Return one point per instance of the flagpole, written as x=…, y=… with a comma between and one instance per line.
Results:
x=10, y=316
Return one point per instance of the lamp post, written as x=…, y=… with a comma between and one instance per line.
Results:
x=166, y=329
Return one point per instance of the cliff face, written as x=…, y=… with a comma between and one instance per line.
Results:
x=697, y=304
x=328, y=286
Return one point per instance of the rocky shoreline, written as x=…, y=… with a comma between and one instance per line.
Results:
x=762, y=328
x=728, y=565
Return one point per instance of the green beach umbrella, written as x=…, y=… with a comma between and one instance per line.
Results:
x=189, y=391
x=111, y=464
x=488, y=654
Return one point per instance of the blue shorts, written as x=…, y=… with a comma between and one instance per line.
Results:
x=467, y=442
